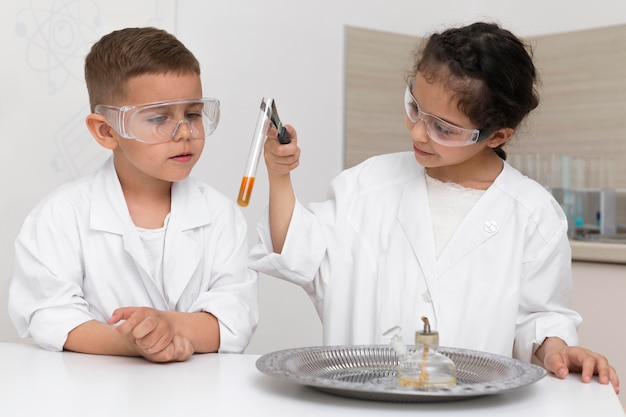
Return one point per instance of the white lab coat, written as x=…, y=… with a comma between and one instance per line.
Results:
x=366, y=257
x=79, y=256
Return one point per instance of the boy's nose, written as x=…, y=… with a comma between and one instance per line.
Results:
x=182, y=131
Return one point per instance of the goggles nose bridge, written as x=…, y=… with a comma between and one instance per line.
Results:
x=421, y=118
x=177, y=127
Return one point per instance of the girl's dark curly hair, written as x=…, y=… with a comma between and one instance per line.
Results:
x=490, y=70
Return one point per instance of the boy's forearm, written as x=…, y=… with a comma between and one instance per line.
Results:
x=95, y=337
x=282, y=202
x=99, y=338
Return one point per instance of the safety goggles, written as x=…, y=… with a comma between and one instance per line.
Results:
x=440, y=131
x=158, y=122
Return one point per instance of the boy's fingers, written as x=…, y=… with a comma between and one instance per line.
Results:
x=122, y=313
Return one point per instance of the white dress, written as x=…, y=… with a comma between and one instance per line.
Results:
x=367, y=259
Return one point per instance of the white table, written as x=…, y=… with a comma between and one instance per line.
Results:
x=34, y=382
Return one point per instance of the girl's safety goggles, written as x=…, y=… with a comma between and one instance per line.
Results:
x=440, y=131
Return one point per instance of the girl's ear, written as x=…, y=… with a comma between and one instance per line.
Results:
x=500, y=137
x=101, y=131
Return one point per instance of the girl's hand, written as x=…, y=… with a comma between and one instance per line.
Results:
x=560, y=359
x=281, y=159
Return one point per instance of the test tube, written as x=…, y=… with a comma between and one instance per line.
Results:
x=256, y=147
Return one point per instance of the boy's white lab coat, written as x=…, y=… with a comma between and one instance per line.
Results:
x=366, y=257
x=79, y=256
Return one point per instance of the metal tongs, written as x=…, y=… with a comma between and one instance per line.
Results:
x=283, y=135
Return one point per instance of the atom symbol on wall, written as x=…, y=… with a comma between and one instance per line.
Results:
x=59, y=34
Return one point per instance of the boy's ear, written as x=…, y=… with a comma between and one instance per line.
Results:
x=500, y=137
x=101, y=131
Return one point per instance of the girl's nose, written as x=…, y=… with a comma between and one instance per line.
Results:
x=417, y=130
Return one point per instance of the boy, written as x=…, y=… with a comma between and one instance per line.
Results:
x=138, y=259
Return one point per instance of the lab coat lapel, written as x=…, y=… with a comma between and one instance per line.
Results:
x=480, y=225
x=483, y=222
x=414, y=217
x=109, y=213
x=183, y=250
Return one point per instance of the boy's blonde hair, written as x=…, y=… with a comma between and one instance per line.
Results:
x=131, y=52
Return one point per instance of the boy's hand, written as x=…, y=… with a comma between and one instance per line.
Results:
x=180, y=349
x=152, y=334
x=281, y=159
x=560, y=359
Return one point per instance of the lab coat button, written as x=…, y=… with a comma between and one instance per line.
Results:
x=490, y=226
x=426, y=297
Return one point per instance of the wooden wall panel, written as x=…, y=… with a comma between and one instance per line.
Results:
x=583, y=101
x=376, y=67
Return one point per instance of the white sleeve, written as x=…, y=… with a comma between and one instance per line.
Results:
x=45, y=293
x=233, y=294
x=545, y=300
x=303, y=251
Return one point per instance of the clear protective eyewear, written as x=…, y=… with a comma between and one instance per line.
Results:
x=158, y=122
x=440, y=131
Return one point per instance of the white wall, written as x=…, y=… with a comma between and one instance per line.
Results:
x=291, y=50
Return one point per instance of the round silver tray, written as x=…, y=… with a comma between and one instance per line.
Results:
x=369, y=372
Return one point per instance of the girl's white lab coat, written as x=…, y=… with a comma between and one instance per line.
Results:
x=366, y=257
x=78, y=257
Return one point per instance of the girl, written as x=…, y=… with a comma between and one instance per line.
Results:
x=448, y=230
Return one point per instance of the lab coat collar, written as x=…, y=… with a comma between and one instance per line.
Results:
x=109, y=211
x=189, y=210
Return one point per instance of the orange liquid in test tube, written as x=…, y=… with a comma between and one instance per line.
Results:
x=247, y=183
x=256, y=149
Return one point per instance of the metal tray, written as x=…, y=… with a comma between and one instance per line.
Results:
x=369, y=372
